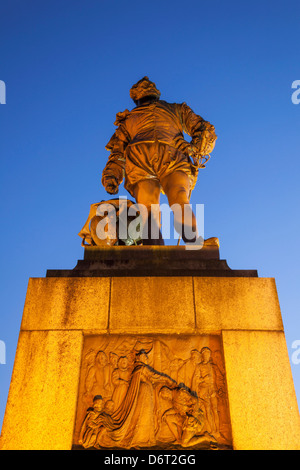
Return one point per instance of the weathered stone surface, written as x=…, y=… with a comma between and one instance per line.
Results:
x=59, y=312
x=68, y=303
x=237, y=304
x=43, y=393
x=152, y=304
x=263, y=406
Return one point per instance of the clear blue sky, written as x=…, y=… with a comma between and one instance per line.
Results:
x=68, y=66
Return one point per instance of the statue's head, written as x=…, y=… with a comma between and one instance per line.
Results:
x=142, y=89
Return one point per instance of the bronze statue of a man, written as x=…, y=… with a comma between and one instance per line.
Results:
x=149, y=149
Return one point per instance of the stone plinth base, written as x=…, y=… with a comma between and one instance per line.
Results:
x=152, y=261
x=247, y=402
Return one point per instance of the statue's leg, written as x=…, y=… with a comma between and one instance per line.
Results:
x=176, y=186
x=147, y=192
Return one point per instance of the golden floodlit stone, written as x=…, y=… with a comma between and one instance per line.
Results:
x=263, y=406
x=242, y=303
x=152, y=304
x=68, y=303
x=202, y=361
x=43, y=393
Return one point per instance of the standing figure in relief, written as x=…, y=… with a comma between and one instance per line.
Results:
x=133, y=423
x=187, y=370
x=204, y=383
x=120, y=379
x=98, y=378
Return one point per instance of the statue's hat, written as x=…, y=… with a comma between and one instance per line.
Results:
x=143, y=88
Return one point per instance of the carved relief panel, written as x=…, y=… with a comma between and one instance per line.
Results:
x=163, y=392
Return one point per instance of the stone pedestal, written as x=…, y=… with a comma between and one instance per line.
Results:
x=172, y=304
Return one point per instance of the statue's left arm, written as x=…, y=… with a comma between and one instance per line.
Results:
x=202, y=132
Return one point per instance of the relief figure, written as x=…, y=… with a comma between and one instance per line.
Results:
x=120, y=380
x=94, y=420
x=134, y=420
x=187, y=370
x=142, y=407
x=204, y=383
x=98, y=377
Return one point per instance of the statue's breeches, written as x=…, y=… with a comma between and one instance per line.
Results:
x=154, y=160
